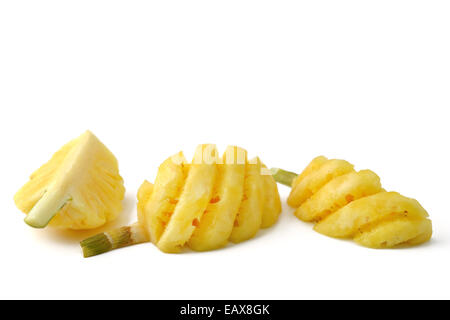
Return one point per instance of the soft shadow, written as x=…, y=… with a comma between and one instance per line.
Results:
x=127, y=216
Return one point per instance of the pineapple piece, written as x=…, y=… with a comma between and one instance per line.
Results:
x=201, y=205
x=272, y=203
x=78, y=188
x=193, y=201
x=249, y=217
x=217, y=222
x=313, y=166
x=399, y=232
x=369, y=211
x=350, y=204
x=144, y=194
x=314, y=180
x=168, y=184
x=338, y=193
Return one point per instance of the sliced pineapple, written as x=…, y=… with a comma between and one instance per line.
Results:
x=78, y=188
x=210, y=202
x=201, y=205
x=193, y=201
x=144, y=194
x=169, y=181
x=316, y=175
x=350, y=204
x=398, y=232
x=249, y=217
x=272, y=202
x=338, y=193
x=214, y=229
x=367, y=212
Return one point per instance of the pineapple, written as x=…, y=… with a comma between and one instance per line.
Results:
x=191, y=205
x=272, y=205
x=312, y=182
x=214, y=229
x=338, y=193
x=201, y=205
x=78, y=188
x=249, y=216
x=170, y=180
x=350, y=204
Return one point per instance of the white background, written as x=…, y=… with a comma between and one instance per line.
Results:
x=366, y=81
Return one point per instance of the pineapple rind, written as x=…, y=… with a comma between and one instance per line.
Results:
x=401, y=231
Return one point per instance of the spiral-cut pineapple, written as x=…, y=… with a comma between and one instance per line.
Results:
x=78, y=188
x=201, y=205
x=350, y=204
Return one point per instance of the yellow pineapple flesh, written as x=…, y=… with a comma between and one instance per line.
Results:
x=215, y=227
x=78, y=188
x=201, y=205
x=209, y=202
x=349, y=204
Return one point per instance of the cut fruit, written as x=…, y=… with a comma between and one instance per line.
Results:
x=168, y=184
x=193, y=201
x=350, y=204
x=390, y=234
x=249, y=217
x=201, y=205
x=316, y=175
x=144, y=194
x=215, y=227
x=78, y=188
x=272, y=202
x=369, y=211
x=338, y=193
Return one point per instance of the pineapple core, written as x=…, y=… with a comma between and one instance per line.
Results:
x=78, y=188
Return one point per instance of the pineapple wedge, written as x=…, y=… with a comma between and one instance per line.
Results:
x=249, y=217
x=370, y=211
x=216, y=225
x=338, y=193
x=193, y=201
x=169, y=181
x=272, y=205
x=313, y=181
x=78, y=188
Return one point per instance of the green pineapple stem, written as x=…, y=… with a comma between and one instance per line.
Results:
x=283, y=176
x=46, y=208
x=114, y=239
